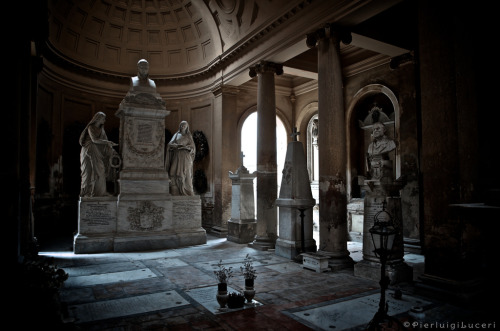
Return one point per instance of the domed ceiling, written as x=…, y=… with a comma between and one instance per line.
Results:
x=110, y=36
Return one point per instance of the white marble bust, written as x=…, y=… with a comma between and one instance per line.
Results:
x=379, y=163
x=141, y=82
x=380, y=144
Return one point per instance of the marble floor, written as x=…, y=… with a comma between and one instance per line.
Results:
x=175, y=290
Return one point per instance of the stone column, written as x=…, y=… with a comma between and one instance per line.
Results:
x=460, y=235
x=332, y=147
x=224, y=149
x=267, y=179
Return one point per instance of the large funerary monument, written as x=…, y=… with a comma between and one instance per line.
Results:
x=144, y=215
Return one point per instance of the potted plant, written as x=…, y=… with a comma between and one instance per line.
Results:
x=235, y=300
x=249, y=273
x=222, y=274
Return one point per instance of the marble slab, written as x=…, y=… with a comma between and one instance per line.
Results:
x=93, y=269
x=150, y=255
x=171, y=263
x=285, y=267
x=113, y=277
x=352, y=313
x=206, y=296
x=101, y=310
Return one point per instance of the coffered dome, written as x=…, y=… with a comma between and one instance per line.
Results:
x=177, y=37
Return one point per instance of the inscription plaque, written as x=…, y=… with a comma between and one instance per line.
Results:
x=186, y=213
x=97, y=216
x=144, y=133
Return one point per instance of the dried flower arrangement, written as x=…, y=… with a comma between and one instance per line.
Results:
x=223, y=274
x=247, y=269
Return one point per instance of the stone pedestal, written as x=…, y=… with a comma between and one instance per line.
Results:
x=295, y=205
x=355, y=209
x=138, y=225
x=242, y=225
x=377, y=193
x=96, y=225
x=315, y=261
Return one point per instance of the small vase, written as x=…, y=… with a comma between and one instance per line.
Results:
x=222, y=295
x=249, y=291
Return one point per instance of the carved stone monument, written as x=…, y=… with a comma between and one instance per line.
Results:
x=381, y=188
x=242, y=226
x=295, y=204
x=145, y=216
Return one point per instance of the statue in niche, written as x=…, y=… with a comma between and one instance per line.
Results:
x=315, y=130
x=379, y=164
x=179, y=158
x=142, y=82
x=96, y=158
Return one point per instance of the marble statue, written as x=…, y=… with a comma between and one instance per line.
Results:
x=379, y=164
x=179, y=159
x=142, y=82
x=95, y=157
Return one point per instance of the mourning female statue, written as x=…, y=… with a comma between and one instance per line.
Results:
x=179, y=159
x=379, y=164
x=95, y=157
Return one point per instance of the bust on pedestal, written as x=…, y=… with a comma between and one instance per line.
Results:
x=381, y=188
x=146, y=216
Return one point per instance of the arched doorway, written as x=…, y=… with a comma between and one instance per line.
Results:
x=249, y=146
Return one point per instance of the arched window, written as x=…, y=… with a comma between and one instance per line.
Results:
x=312, y=149
x=249, y=144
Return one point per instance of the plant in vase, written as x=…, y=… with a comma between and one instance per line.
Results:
x=222, y=274
x=235, y=300
x=249, y=273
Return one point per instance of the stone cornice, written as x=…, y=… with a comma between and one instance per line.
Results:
x=220, y=90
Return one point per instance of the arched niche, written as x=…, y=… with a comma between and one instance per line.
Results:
x=358, y=131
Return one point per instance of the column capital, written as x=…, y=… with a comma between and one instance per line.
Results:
x=265, y=66
x=329, y=30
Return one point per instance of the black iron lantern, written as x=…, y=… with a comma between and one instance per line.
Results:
x=383, y=233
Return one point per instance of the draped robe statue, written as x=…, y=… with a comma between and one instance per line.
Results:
x=95, y=157
x=179, y=159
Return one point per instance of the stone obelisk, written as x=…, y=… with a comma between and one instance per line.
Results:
x=295, y=204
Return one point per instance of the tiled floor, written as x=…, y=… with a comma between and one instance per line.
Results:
x=170, y=290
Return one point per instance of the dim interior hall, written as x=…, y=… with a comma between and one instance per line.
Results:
x=281, y=99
